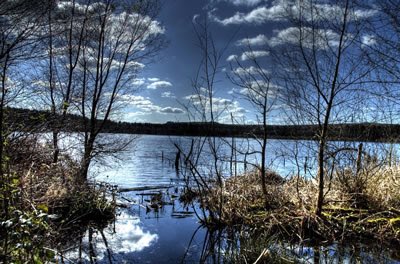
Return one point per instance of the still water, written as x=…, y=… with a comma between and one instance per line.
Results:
x=172, y=233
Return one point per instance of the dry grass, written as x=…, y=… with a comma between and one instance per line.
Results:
x=364, y=205
x=52, y=186
x=40, y=180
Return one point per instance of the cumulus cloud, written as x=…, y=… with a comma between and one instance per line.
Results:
x=257, y=16
x=138, y=81
x=368, y=40
x=242, y=71
x=195, y=17
x=256, y=41
x=168, y=95
x=131, y=238
x=232, y=57
x=321, y=39
x=259, y=89
x=366, y=13
x=281, y=9
x=151, y=83
x=171, y=110
x=140, y=102
x=145, y=105
x=242, y=2
x=159, y=84
x=222, y=107
x=251, y=55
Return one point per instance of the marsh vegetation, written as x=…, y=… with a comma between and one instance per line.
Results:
x=334, y=68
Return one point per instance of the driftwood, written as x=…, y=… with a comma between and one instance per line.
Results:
x=143, y=188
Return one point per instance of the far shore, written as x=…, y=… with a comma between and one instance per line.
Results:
x=39, y=121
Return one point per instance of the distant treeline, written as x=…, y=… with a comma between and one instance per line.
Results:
x=42, y=121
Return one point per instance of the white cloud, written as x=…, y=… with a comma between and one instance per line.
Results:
x=205, y=90
x=171, y=110
x=362, y=14
x=256, y=41
x=145, y=105
x=322, y=39
x=242, y=2
x=232, y=57
x=125, y=236
x=140, y=102
x=287, y=35
x=151, y=83
x=194, y=19
x=138, y=81
x=251, y=55
x=280, y=10
x=222, y=107
x=329, y=12
x=132, y=115
x=41, y=83
x=256, y=16
x=159, y=84
x=131, y=236
x=249, y=71
x=259, y=89
x=368, y=40
x=232, y=91
x=168, y=95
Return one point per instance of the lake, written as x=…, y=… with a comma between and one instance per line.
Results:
x=172, y=234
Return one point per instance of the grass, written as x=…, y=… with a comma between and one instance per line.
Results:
x=52, y=186
x=361, y=206
x=46, y=195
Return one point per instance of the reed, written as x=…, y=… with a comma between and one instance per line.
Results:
x=363, y=206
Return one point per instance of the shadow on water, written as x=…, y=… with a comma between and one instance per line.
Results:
x=238, y=246
x=153, y=226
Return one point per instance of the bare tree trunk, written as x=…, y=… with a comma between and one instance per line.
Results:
x=321, y=176
x=4, y=180
x=263, y=154
x=85, y=163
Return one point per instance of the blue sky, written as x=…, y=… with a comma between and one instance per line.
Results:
x=165, y=85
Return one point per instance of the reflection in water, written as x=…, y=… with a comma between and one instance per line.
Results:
x=128, y=235
x=239, y=246
x=114, y=243
x=171, y=234
x=162, y=230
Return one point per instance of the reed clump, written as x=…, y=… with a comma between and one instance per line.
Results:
x=358, y=205
x=42, y=203
x=53, y=186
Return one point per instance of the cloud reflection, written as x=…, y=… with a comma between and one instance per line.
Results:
x=129, y=237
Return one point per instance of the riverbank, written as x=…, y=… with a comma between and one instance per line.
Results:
x=364, y=207
x=43, y=206
x=39, y=121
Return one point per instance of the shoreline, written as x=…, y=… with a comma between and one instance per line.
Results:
x=293, y=219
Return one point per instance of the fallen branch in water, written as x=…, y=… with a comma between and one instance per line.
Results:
x=144, y=188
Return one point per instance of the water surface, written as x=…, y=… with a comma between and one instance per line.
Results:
x=172, y=234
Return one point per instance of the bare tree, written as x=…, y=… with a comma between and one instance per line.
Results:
x=322, y=68
x=256, y=86
x=204, y=161
x=20, y=22
x=382, y=47
x=119, y=37
x=66, y=28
